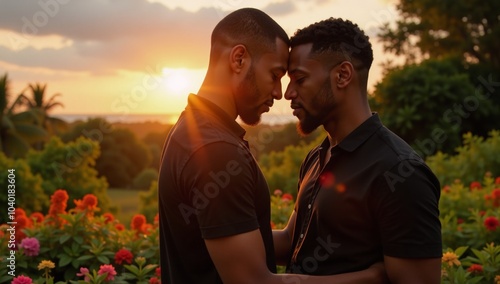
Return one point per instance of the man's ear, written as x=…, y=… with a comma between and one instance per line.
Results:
x=342, y=75
x=238, y=58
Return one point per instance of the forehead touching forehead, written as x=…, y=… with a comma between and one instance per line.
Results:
x=250, y=27
x=336, y=37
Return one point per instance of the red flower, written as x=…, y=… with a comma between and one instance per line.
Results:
x=108, y=218
x=138, y=222
x=158, y=271
x=88, y=203
x=123, y=255
x=37, y=216
x=497, y=180
x=475, y=268
x=475, y=185
x=154, y=280
x=496, y=193
x=120, y=227
x=446, y=188
x=273, y=226
x=491, y=223
x=156, y=220
x=287, y=197
x=481, y=213
x=460, y=221
x=59, y=196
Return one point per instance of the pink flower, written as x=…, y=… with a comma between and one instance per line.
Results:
x=83, y=273
x=31, y=246
x=21, y=279
x=109, y=269
x=278, y=192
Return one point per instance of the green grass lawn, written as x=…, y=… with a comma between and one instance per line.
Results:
x=127, y=203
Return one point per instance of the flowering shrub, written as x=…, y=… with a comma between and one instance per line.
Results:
x=80, y=246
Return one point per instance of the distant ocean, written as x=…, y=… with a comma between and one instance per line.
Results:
x=267, y=118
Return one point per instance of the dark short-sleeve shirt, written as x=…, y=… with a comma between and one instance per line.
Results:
x=374, y=197
x=210, y=186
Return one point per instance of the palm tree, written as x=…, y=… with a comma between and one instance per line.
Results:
x=38, y=103
x=17, y=130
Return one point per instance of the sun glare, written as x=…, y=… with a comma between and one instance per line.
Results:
x=176, y=81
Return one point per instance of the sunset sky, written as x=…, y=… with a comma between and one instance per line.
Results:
x=138, y=56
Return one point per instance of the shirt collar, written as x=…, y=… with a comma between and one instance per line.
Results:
x=358, y=136
x=198, y=103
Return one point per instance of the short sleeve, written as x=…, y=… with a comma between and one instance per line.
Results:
x=406, y=207
x=221, y=188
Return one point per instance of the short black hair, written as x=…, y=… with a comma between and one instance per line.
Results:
x=335, y=35
x=250, y=27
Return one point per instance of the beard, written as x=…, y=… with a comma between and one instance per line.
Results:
x=247, y=92
x=322, y=105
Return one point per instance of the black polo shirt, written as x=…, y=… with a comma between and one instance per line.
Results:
x=374, y=197
x=210, y=186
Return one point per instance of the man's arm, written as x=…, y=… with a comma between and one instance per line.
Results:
x=283, y=241
x=241, y=259
x=413, y=271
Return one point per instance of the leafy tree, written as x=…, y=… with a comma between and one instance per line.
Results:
x=430, y=105
x=122, y=157
x=70, y=166
x=28, y=191
x=38, y=101
x=18, y=130
x=437, y=29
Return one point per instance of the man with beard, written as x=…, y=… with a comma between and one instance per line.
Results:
x=363, y=194
x=214, y=203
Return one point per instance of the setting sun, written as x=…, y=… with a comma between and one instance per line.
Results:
x=176, y=81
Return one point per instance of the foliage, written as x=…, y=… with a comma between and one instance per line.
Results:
x=38, y=101
x=435, y=29
x=26, y=184
x=471, y=160
x=18, y=130
x=149, y=201
x=281, y=168
x=264, y=138
x=430, y=105
x=69, y=166
x=144, y=179
x=468, y=213
x=83, y=244
x=122, y=157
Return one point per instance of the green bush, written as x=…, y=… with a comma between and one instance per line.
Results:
x=476, y=156
x=144, y=179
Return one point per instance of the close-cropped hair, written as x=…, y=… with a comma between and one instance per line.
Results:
x=251, y=27
x=337, y=36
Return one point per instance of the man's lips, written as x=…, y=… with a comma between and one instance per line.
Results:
x=296, y=108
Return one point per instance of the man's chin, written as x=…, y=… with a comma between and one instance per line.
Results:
x=305, y=128
x=250, y=120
